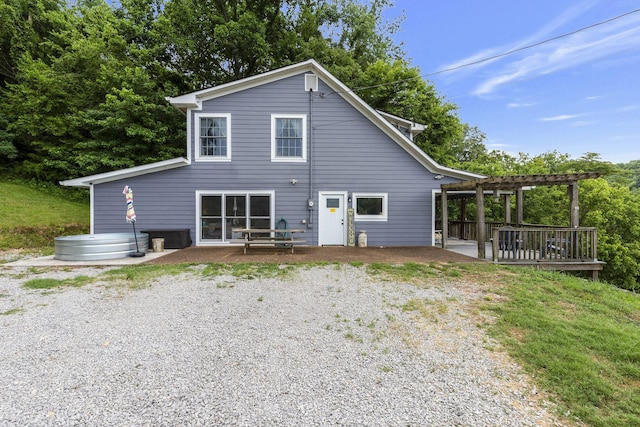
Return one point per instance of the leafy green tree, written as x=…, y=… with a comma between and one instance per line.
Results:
x=138, y=25
x=212, y=42
x=470, y=147
x=399, y=89
x=628, y=174
x=58, y=103
x=27, y=26
x=590, y=162
x=615, y=212
x=359, y=28
x=26, y=29
x=8, y=152
x=132, y=126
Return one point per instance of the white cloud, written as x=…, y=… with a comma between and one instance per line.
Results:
x=627, y=108
x=560, y=117
x=590, y=46
x=536, y=37
x=520, y=104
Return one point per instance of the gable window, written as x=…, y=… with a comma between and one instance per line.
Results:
x=289, y=138
x=214, y=137
x=370, y=206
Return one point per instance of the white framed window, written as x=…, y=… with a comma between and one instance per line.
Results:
x=370, y=206
x=288, y=137
x=213, y=137
x=220, y=212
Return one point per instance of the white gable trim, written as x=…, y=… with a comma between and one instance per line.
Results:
x=413, y=127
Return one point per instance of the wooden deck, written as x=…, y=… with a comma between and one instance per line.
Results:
x=551, y=248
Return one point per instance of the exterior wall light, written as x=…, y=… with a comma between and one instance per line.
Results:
x=439, y=176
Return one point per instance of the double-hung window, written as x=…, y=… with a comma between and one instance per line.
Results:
x=213, y=137
x=288, y=137
x=370, y=206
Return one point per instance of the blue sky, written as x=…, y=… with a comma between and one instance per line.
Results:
x=576, y=94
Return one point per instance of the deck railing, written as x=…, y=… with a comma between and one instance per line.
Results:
x=468, y=230
x=557, y=244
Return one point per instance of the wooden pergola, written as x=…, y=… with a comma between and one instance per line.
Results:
x=507, y=185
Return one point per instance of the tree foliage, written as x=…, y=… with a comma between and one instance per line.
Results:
x=212, y=42
x=398, y=89
x=87, y=103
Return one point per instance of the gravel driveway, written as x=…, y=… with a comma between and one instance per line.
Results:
x=327, y=345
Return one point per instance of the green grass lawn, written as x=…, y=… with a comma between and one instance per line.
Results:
x=31, y=217
x=579, y=340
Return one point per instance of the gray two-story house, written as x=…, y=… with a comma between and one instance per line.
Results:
x=292, y=144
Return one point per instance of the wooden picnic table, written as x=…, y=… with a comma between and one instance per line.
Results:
x=276, y=237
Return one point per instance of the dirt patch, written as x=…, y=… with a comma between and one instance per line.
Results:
x=422, y=254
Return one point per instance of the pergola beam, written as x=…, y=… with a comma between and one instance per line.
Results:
x=516, y=182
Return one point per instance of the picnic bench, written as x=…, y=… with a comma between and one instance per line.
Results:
x=276, y=237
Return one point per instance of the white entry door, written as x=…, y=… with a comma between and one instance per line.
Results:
x=332, y=228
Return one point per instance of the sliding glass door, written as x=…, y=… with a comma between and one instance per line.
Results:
x=221, y=213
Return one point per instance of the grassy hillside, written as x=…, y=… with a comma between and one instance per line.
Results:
x=30, y=218
x=578, y=340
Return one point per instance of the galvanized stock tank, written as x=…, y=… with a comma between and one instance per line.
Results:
x=93, y=247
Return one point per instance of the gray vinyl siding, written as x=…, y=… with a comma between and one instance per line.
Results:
x=349, y=154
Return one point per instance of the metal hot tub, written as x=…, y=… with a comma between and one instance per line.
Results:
x=93, y=247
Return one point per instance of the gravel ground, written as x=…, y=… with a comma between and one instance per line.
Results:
x=325, y=345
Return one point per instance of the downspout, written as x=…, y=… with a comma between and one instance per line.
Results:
x=310, y=160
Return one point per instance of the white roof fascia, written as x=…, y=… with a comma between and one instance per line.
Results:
x=100, y=178
x=414, y=128
x=194, y=99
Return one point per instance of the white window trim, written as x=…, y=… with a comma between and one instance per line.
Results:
x=196, y=126
x=200, y=193
x=385, y=207
x=275, y=158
